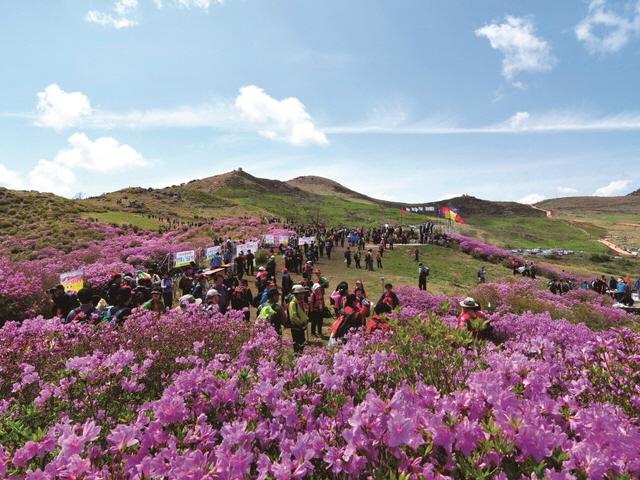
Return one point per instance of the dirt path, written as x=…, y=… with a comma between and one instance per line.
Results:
x=615, y=248
x=546, y=212
x=630, y=224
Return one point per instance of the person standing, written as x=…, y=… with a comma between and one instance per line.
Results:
x=186, y=282
x=166, y=284
x=347, y=257
x=379, y=259
x=316, y=310
x=248, y=263
x=356, y=259
x=423, y=273
x=271, y=311
x=482, y=275
x=298, y=317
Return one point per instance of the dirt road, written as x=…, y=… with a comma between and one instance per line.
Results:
x=615, y=248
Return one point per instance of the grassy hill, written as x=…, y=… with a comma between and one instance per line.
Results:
x=47, y=219
x=617, y=218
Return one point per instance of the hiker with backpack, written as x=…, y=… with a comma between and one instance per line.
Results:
x=298, y=318
x=338, y=296
x=423, y=273
x=86, y=308
x=349, y=319
x=316, y=309
x=482, y=275
x=271, y=311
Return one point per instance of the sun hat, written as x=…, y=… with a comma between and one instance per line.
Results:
x=469, y=303
x=213, y=293
x=261, y=269
x=188, y=298
x=299, y=289
x=315, y=287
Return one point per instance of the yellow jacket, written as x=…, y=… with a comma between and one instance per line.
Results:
x=297, y=315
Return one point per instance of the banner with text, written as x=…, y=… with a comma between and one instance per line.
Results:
x=211, y=252
x=306, y=240
x=185, y=258
x=268, y=240
x=72, y=281
x=245, y=247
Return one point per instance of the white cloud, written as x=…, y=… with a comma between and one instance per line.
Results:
x=118, y=18
x=48, y=176
x=120, y=15
x=285, y=119
x=105, y=154
x=613, y=188
x=518, y=120
x=532, y=198
x=201, y=4
x=59, y=109
x=523, y=51
x=605, y=30
x=10, y=178
x=519, y=123
x=567, y=190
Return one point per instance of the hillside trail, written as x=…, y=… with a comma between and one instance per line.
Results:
x=614, y=247
x=546, y=212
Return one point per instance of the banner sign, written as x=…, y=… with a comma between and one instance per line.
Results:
x=283, y=240
x=72, y=281
x=211, y=252
x=269, y=240
x=245, y=247
x=185, y=258
x=306, y=240
x=419, y=209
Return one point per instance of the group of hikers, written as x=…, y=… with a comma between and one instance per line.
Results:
x=303, y=305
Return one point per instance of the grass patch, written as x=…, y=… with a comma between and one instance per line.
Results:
x=534, y=232
x=124, y=218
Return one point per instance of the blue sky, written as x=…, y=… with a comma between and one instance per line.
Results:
x=405, y=100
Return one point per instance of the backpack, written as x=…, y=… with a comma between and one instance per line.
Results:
x=424, y=271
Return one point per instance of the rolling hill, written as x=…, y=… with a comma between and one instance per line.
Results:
x=305, y=199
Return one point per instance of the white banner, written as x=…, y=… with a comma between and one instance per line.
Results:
x=245, y=247
x=283, y=240
x=185, y=258
x=306, y=240
x=211, y=251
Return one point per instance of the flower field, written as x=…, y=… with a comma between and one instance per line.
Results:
x=204, y=395
x=23, y=281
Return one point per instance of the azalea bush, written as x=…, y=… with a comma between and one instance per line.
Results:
x=23, y=281
x=204, y=395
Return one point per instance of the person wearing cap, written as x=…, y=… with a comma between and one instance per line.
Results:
x=423, y=273
x=298, y=317
x=212, y=300
x=271, y=310
x=200, y=287
x=155, y=304
x=185, y=301
x=316, y=309
x=470, y=310
x=241, y=298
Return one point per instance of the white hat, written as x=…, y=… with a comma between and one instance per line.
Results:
x=299, y=289
x=188, y=298
x=469, y=303
x=315, y=287
x=213, y=293
x=261, y=269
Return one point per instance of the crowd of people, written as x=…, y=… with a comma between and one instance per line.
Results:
x=303, y=304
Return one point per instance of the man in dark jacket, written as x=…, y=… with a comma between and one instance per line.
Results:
x=63, y=302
